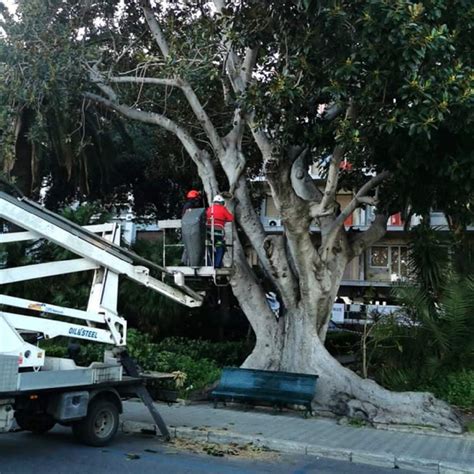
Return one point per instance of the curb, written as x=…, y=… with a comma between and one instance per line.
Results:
x=386, y=459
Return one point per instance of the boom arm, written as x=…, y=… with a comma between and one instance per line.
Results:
x=99, y=253
x=94, y=249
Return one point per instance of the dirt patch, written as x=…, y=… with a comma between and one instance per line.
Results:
x=245, y=451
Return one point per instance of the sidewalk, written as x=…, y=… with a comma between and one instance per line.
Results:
x=291, y=433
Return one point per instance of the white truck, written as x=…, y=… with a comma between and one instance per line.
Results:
x=38, y=391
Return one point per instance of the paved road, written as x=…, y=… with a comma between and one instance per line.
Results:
x=58, y=453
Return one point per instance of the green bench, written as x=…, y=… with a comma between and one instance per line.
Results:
x=273, y=387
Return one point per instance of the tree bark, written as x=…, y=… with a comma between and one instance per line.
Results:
x=306, y=273
x=295, y=346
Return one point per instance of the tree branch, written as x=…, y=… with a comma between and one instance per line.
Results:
x=329, y=195
x=239, y=75
x=271, y=254
x=98, y=80
x=200, y=157
x=359, y=199
x=144, y=80
x=250, y=293
x=329, y=235
x=372, y=235
x=236, y=134
x=302, y=182
x=294, y=211
x=188, y=91
x=192, y=99
x=248, y=66
x=155, y=29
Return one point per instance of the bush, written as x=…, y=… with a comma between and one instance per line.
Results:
x=223, y=353
x=343, y=342
x=456, y=388
x=89, y=352
x=186, y=356
x=200, y=371
x=55, y=349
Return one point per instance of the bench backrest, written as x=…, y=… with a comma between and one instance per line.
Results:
x=288, y=384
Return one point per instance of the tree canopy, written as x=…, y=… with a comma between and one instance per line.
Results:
x=377, y=94
x=406, y=66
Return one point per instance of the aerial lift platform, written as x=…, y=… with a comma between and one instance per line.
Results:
x=206, y=270
x=39, y=391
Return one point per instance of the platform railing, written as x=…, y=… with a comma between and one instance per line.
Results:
x=211, y=242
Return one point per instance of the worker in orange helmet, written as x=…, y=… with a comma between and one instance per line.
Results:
x=193, y=201
x=217, y=216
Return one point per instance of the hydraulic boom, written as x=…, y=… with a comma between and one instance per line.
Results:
x=97, y=248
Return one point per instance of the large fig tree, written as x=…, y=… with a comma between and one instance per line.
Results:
x=267, y=89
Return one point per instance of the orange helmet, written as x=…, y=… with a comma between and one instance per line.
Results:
x=193, y=194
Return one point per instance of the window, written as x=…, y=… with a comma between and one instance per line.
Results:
x=379, y=256
x=393, y=257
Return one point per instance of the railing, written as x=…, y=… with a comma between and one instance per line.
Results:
x=213, y=232
x=362, y=218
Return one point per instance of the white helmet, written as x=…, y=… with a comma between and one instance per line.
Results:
x=218, y=199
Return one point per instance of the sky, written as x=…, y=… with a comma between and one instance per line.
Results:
x=10, y=4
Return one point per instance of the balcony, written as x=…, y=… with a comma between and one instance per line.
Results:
x=361, y=220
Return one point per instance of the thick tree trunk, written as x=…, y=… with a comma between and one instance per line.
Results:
x=294, y=346
x=305, y=276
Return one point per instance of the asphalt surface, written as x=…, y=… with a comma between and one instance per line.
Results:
x=57, y=452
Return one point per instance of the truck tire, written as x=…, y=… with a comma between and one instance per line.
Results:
x=100, y=424
x=37, y=423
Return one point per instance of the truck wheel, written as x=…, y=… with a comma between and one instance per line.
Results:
x=100, y=424
x=37, y=423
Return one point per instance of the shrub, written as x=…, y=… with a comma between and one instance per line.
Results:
x=186, y=356
x=435, y=327
x=456, y=388
x=55, y=349
x=200, y=371
x=343, y=342
x=223, y=353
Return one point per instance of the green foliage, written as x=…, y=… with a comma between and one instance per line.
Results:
x=200, y=360
x=439, y=337
x=55, y=348
x=342, y=343
x=49, y=134
x=429, y=258
x=231, y=353
x=434, y=334
x=405, y=66
x=200, y=372
x=456, y=388
x=41, y=81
